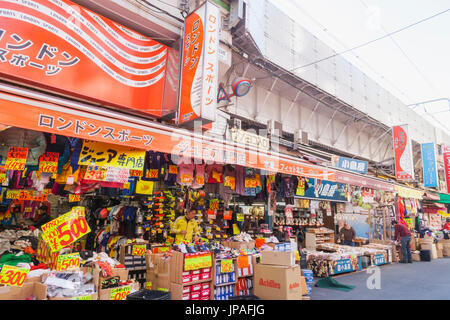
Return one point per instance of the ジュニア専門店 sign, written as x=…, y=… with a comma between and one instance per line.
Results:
x=199, y=67
x=59, y=46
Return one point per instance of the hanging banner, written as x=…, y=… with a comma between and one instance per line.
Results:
x=430, y=174
x=404, y=167
x=325, y=190
x=446, y=154
x=17, y=158
x=54, y=44
x=100, y=154
x=199, y=72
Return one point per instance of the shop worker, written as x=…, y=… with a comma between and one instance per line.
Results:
x=402, y=232
x=347, y=234
x=185, y=227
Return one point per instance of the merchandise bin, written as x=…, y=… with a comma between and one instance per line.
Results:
x=149, y=295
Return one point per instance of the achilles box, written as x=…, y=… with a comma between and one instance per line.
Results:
x=277, y=282
x=278, y=258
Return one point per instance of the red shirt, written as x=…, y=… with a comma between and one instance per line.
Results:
x=401, y=230
x=447, y=226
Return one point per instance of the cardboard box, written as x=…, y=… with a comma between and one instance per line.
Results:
x=277, y=282
x=439, y=246
x=304, y=287
x=278, y=258
x=36, y=289
x=158, y=280
x=180, y=292
x=439, y=253
x=93, y=296
x=239, y=245
x=105, y=294
x=446, y=251
x=98, y=278
x=415, y=256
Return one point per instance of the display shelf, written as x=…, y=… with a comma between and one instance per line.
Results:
x=225, y=284
x=313, y=237
x=196, y=282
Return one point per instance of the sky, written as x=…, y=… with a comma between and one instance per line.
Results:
x=413, y=64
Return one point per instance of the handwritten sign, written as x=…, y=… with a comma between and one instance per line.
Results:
x=96, y=173
x=197, y=261
x=138, y=250
x=119, y=175
x=74, y=197
x=66, y=229
x=243, y=262
x=68, y=262
x=17, y=158
x=48, y=162
x=120, y=293
x=13, y=276
x=2, y=174
x=226, y=266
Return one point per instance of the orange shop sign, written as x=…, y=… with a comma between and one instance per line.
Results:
x=200, y=65
x=40, y=116
x=55, y=44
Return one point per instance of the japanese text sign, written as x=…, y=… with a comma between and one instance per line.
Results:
x=13, y=276
x=446, y=154
x=2, y=174
x=48, y=162
x=326, y=190
x=404, y=168
x=138, y=250
x=120, y=293
x=68, y=261
x=353, y=165
x=430, y=175
x=55, y=43
x=17, y=158
x=74, y=197
x=197, y=261
x=200, y=65
x=100, y=154
x=226, y=265
x=66, y=229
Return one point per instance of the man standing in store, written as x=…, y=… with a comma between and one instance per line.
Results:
x=403, y=234
x=185, y=227
x=347, y=234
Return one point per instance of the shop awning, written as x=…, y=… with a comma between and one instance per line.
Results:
x=430, y=196
x=92, y=123
x=444, y=198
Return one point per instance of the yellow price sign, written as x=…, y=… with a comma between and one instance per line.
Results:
x=120, y=293
x=74, y=197
x=138, y=250
x=226, y=266
x=13, y=276
x=17, y=158
x=148, y=285
x=68, y=262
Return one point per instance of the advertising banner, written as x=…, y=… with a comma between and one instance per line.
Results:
x=430, y=175
x=404, y=167
x=355, y=165
x=55, y=44
x=199, y=71
x=323, y=190
x=446, y=153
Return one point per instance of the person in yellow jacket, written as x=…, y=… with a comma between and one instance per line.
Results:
x=185, y=227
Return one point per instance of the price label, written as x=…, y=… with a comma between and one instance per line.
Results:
x=148, y=285
x=66, y=229
x=153, y=173
x=74, y=197
x=2, y=174
x=136, y=173
x=186, y=178
x=120, y=293
x=138, y=250
x=230, y=182
x=89, y=297
x=96, y=173
x=13, y=276
x=243, y=262
x=163, y=289
x=173, y=169
x=226, y=266
x=68, y=262
x=12, y=194
x=200, y=180
x=250, y=183
x=17, y=158
x=240, y=217
x=48, y=162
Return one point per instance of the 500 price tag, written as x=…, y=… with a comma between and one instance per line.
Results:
x=66, y=229
x=138, y=250
x=13, y=276
x=68, y=262
x=120, y=293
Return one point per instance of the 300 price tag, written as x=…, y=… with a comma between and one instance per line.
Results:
x=68, y=262
x=138, y=250
x=13, y=276
x=120, y=293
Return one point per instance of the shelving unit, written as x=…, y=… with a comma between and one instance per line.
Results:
x=317, y=236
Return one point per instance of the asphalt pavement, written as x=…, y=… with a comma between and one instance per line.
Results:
x=397, y=281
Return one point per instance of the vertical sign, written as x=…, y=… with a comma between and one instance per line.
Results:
x=404, y=168
x=199, y=72
x=446, y=154
x=430, y=175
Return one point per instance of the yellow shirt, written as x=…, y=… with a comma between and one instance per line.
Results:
x=180, y=224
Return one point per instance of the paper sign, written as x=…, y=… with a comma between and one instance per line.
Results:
x=119, y=175
x=200, y=180
x=144, y=187
x=236, y=229
x=74, y=197
x=136, y=173
x=240, y=217
x=68, y=262
x=107, y=155
x=230, y=182
x=148, y=285
x=120, y=293
x=96, y=173
x=17, y=158
x=138, y=250
x=2, y=174
x=227, y=215
x=198, y=261
x=13, y=276
x=173, y=169
x=66, y=229
x=250, y=183
x=48, y=162
x=243, y=262
x=226, y=266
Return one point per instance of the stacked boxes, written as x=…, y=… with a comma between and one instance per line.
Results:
x=224, y=292
x=244, y=286
x=223, y=278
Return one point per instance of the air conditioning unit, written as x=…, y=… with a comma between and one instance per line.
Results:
x=274, y=128
x=300, y=137
x=236, y=12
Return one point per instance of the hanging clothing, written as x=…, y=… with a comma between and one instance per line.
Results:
x=239, y=180
x=214, y=173
x=185, y=175
x=199, y=178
